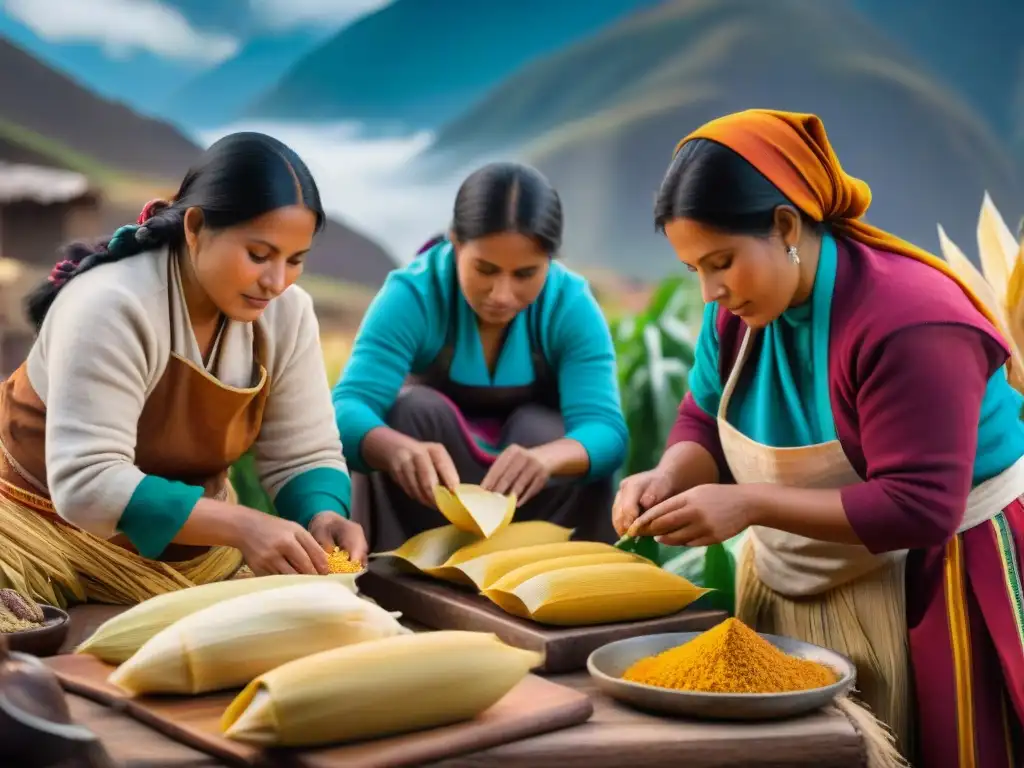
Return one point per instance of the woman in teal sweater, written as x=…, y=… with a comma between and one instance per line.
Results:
x=486, y=361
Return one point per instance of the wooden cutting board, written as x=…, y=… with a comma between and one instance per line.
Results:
x=440, y=605
x=534, y=707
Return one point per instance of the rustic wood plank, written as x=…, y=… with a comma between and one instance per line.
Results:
x=130, y=743
x=440, y=605
x=617, y=736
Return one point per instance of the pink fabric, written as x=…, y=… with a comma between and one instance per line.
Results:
x=489, y=431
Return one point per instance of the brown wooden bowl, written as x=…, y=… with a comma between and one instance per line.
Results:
x=44, y=640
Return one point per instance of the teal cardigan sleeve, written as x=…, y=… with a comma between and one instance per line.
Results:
x=156, y=512
x=705, y=380
x=385, y=349
x=582, y=350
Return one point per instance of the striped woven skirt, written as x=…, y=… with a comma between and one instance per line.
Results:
x=965, y=615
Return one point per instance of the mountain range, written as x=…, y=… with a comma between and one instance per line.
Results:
x=601, y=117
x=49, y=119
x=415, y=63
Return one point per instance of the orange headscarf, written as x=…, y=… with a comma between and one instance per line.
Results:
x=793, y=152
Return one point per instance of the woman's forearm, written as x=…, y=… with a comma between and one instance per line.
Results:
x=563, y=457
x=215, y=523
x=811, y=512
x=689, y=465
x=380, y=445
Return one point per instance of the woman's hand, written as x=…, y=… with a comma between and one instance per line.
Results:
x=517, y=470
x=333, y=530
x=418, y=467
x=273, y=545
x=637, y=493
x=707, y=514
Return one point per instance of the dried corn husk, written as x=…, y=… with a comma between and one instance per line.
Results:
x=484, y=570
x=391, y=686
x=1000, y=282
x=500, y=592
x=118, y=638
x=472, y=509
x=436, y=552
x=429, y=550
x=230, y=643
x=597, y=594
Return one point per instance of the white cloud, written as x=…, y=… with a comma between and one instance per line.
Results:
x=363, y=182
x=122, y=27
x=292, y=13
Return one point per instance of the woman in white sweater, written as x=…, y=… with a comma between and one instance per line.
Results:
x=163, y=355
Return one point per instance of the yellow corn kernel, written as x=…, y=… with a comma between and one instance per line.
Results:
x=338, y=562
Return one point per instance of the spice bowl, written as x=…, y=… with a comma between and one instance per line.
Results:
x=45, y=639
x=608, y=663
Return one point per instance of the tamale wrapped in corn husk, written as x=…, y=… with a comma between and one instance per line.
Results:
x=484, y=570
x=596, y=594
x=121, y=636
x=436, y=552
x=500, y=591
x=472, y=509
x=391, y=686
x=228, y=644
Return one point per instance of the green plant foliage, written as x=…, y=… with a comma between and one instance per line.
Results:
x=655, y=351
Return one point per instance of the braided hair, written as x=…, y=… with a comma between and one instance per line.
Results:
x=239, y=178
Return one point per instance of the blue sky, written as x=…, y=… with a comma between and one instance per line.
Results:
x=140, y=51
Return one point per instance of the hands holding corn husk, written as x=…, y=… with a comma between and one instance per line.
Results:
x=518, y=472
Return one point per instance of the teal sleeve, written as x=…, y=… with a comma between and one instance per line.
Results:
x=156, y=512
x=391, y=335
x=324, y=489
x=705, y=379
x=588, y=382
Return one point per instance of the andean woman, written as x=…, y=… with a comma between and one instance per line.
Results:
x=509, y=365
x=162, y=356
x=849, y=405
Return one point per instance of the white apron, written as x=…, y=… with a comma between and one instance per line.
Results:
x=838, y=595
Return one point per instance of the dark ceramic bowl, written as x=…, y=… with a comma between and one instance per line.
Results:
x=44, y=640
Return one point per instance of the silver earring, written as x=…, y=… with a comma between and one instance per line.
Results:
x=794, y=254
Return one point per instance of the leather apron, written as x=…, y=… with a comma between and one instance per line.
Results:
x=191, y=429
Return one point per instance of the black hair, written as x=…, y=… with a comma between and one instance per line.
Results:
x=508, y=197
x=712, y=184
x=239, y=178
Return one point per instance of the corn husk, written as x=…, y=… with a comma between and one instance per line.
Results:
x=228, y=644
x=387, y=687
x=597, y=594
x=472, y=509
x=437, y=552
x=121, y=636
x=501, y=591
x=484, y=570
x=429, y=550
x=1000, y=282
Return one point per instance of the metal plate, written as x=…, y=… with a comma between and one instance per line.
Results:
x=608, y=663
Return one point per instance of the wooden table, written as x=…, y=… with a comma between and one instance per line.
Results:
x=616, y=736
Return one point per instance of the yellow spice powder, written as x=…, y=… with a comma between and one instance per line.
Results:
x=729, y=658
x=338, y=562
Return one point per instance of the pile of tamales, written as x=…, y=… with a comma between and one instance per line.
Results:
x=313, y=661
x=532, y=570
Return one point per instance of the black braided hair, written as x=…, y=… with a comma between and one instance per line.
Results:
x=239, y=178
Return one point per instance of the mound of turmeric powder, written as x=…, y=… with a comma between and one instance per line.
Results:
x=729, y=658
